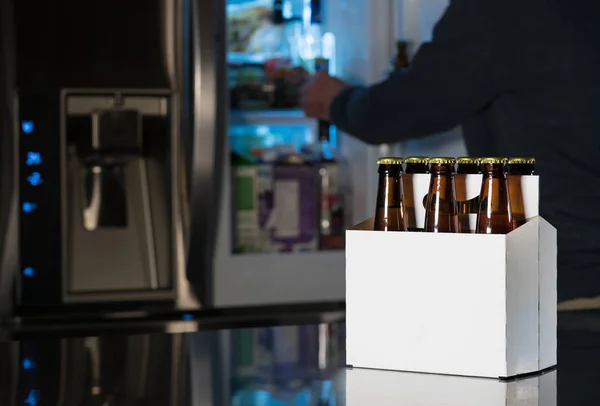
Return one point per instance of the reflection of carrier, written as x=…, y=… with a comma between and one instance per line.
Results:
x=101, y=110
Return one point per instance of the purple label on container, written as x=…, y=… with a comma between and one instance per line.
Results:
x=296, y=208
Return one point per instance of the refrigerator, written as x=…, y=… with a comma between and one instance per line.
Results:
x=298, y=272
x=219, y=132
x=363, y=34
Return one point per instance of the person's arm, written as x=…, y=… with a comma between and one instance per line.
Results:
x=450, y=79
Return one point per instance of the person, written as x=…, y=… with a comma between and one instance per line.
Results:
x=522, y=78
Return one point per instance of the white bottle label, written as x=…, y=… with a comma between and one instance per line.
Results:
x=473, y=185
x=530, y=187
x=420, y=190
x=472, y=217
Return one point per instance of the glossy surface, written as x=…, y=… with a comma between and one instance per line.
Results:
x=290, y=365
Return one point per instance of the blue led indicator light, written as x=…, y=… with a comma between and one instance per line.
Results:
x=28, y=207
x=187, y=317
x=27, y=127
x=28, y=364
x=33, y=158
x=35, y=179
x=29, y=272
x=33, y=398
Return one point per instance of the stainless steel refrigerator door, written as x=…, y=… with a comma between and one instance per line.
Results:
x=133, y=45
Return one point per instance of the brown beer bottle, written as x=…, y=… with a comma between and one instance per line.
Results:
x=521, y=166
x=389, y=213
x=401, y=61
x=414, y=165
x=518, y=167
x=465, y=166
x=494, y=215
x=417, y=164
x=441, y=211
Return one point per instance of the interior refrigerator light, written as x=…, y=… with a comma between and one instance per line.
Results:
x=262, y=130
x=329, y=51
x=27, y=127
x=287, y=9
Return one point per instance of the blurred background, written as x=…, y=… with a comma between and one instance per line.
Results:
x=155, y=157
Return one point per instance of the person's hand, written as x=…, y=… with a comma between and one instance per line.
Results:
x=318, y=94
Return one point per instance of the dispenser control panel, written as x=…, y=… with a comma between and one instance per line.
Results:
x=40, y=197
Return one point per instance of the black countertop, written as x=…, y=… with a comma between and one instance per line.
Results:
x=232, y=361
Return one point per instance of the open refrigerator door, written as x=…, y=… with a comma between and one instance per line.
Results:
x=289, y=193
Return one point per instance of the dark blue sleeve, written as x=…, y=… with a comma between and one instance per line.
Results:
x=450, y=79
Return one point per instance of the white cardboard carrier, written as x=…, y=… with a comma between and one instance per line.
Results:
x=456, y=304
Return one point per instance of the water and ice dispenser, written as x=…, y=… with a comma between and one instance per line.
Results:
x=99, y=200
x=117, y=152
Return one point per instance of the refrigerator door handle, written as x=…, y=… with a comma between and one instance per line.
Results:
x=9, y=174
x=209, y=140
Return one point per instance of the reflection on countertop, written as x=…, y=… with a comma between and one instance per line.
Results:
x=296, y=365
x=281, y=365
x=363, y=387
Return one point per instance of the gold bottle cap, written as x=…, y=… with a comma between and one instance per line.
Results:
x=390, y=161
x=417, y=160
x=442, y=161
x=521, y=160
x=467, y=160
x=493, y=160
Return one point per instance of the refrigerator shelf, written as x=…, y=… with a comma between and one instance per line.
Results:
x=270, y=117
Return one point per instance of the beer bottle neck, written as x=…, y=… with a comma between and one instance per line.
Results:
x=389, y=170
x=390, y=185
x=495, y=215
x=467, y=169
x=441, y=169
x=389, y=214
x=521, y=169
x=417, y=168
x=494, y=170
x=441, y=208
